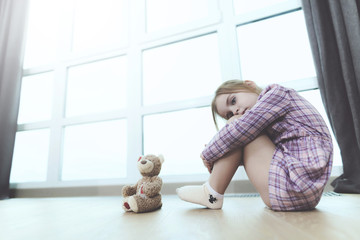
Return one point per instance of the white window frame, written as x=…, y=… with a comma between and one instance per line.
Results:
x=222, y=20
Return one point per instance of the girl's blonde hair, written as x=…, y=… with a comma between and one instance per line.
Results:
x=229, y=87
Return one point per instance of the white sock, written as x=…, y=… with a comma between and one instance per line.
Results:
x=203, y=194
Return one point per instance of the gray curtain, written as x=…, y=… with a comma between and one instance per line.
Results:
x=334, y=32
x=13, y=15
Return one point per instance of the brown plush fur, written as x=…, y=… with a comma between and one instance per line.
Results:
x=145, y=195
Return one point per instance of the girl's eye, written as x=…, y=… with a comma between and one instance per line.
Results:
x=233, y=100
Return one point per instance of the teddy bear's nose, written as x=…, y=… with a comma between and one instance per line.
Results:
x=143, y=162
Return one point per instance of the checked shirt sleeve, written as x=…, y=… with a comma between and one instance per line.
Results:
x=272, y=104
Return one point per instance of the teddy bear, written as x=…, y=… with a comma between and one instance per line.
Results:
x=145, y=195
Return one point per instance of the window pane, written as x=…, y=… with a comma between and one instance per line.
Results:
x=95, y=151
x=97, y=87
x=100, y=24
x=314, y=98
x=180, y=71
x=245, y=6
x=43, y=25
x=275, y=50
x=36, y=98
x=162, y=14
x=30, y=156
x=180, y=137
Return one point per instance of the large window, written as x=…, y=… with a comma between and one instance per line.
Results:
x=105, y=81
x=275, y=49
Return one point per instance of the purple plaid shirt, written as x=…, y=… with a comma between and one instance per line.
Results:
x=281, y=112
x=298, y=131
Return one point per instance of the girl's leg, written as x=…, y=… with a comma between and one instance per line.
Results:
x=256, y=157
x=211, y=193
x=224, y=170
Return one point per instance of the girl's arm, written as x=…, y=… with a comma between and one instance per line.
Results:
x=272, y=105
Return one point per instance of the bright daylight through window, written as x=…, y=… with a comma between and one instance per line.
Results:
x=138, y=78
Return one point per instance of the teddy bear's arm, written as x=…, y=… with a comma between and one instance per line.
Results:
x=129, y=190
x=153, y=188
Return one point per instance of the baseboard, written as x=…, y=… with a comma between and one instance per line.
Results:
x=238, y=186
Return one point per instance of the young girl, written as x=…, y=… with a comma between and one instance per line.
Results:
x=280, y=139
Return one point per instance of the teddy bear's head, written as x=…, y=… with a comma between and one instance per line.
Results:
x=150, y=165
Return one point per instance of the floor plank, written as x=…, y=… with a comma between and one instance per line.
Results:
x=336, y=217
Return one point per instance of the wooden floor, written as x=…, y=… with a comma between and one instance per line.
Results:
x=336, y=217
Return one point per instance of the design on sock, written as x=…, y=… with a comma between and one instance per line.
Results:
x=212, y=199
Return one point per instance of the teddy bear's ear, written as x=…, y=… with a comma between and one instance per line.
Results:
x=161, y=157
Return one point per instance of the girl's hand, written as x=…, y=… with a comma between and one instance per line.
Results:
x=207, y=164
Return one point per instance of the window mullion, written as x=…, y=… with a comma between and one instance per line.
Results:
x=134, y=86
x=59, y=93
x=229, y=58
x=56, y=127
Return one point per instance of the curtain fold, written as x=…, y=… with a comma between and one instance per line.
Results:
x=13, y=16
x=334, y=33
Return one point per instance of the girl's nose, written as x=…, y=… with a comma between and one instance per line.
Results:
x=236, y=111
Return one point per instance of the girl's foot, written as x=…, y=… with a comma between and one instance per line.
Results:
x=204, y=195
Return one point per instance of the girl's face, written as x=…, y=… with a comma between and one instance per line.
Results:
x=237, y=103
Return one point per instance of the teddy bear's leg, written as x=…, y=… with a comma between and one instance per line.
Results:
x=126, y=205
x=132, y=201
x=147, y=204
